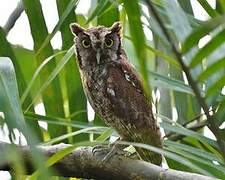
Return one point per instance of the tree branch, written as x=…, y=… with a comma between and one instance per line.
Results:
x=14, y=16
x=82, y=163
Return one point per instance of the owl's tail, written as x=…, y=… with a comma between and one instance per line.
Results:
x=154, y=139
x=150, y=156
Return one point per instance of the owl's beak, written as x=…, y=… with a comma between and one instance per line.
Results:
x=98, y=56
x=97, y=47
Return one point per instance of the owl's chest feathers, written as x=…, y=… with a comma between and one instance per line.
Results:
x=97, y=91
x=95, y=87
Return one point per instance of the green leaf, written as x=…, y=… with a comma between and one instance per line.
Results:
x=72, y=82
x=161, y=54
x=181, y=29
x=212, y=69
x=220, y=112
x=214, y=43
x=24, y=57
x=100, y=8
x=155, y=28
x=213, y=170
x=186, y=6
x=178, y=19
x=53, y=74
x=190, y=133
x=211, y=12
x=36, y=74
x=168, y=154
x=71, y=5
x=109, y=16
x=216, y=86
x=196, y=151
x=65, y=136
x=164, y=107
x=105, y=135
x=57, y=120
x=159, y=80
x=53, y=94
x=10, y=106
x=180, y=99
x=9, y=97
x=193, y=39
x=178, y=166
x=220, y=6
x=168, y=120
x=138, y=38
x=7, y=50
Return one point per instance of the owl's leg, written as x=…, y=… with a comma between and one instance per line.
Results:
x=120, y=148
x=113, y=151
x=117, y=149
x=109, y=151
x=127, y=153
x=118, y=145
x=102, y=149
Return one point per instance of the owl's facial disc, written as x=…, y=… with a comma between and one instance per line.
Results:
x=100, y=42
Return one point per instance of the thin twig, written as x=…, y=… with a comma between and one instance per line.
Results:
x=14, y=16
x=191, y=125
x=212, y=126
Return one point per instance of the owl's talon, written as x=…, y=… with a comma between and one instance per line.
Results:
x=108, y=151
x=132, y=155
x=108, y=156
x=100, y=149
x=115, y=150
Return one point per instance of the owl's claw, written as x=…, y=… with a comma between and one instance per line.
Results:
x=100, y=149
x=116, y=150
x=110, y=154
x=108, y=151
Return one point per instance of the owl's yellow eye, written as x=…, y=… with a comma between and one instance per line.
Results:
x=86, y=43
x=109, y=43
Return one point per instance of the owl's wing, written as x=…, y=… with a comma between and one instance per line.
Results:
x=126, y=93
x=130, y=73
x=131, y=110
x=133, y=118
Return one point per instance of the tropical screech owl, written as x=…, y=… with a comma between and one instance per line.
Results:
x=114, y=89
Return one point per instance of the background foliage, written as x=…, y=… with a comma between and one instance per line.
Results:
x=161, y=38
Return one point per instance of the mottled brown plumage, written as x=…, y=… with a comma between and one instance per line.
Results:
x=113, y=87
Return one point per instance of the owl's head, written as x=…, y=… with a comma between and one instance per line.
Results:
x=97, y=45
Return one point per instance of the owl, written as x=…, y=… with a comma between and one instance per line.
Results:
x=113, y=87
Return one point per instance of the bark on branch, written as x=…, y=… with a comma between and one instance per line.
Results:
x=14, y=16
x=83, y=164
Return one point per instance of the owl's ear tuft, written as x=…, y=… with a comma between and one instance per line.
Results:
x=116, y=27
x=76, y=28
